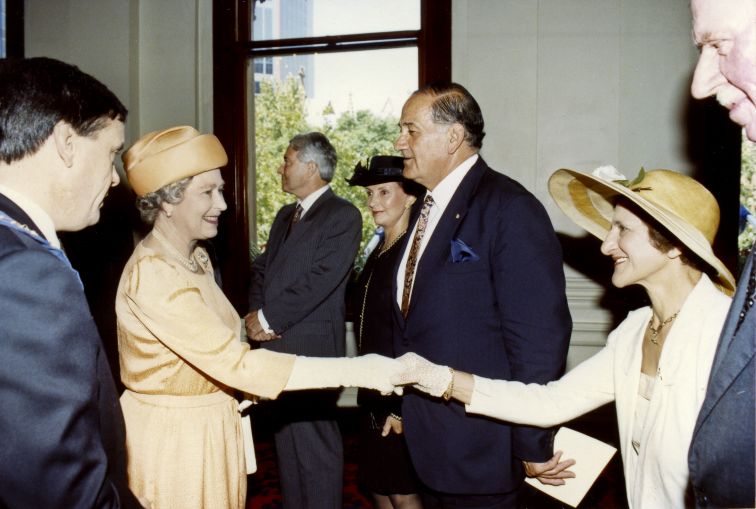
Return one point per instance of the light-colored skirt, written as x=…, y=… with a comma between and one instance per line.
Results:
x=185, y=452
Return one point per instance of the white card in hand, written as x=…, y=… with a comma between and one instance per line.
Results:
x=590, y=455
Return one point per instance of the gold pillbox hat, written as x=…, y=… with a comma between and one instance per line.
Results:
x=162, y=157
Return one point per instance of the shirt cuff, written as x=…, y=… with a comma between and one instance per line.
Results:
x=263, y=322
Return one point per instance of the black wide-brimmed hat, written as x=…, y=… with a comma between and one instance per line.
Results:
x=382, y=169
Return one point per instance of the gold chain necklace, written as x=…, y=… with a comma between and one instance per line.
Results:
x=389, y=246
x=367, y=285
x=656, y=330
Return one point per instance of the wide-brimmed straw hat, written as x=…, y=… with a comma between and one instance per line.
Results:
x=677, y=202
x=162, y=157
x=382, y=169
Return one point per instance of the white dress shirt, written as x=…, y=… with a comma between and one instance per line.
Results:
x=310, y=200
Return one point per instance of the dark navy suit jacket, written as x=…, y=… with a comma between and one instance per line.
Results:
x=503, y=316
x=721, y=454
x=63, y=436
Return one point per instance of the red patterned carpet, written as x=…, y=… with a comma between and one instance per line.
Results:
x=263, y=490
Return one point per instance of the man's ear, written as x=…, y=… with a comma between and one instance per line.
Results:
x=456, y=136
x=63, y=136
x=312, y=167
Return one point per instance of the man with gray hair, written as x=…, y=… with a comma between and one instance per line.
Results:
x=721, y=455
x=297, y=306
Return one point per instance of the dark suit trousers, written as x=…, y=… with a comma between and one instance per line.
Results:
x=309, y=449
x=436, y=500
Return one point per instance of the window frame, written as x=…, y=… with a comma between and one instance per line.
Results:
x=14, y=28
x=232, y=48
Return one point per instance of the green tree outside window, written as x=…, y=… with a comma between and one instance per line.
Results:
x=281, y=113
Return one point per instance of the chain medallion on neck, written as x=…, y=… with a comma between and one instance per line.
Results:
x=655, y=331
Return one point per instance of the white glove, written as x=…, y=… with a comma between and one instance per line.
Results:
x=423, y=375
x=370, y=371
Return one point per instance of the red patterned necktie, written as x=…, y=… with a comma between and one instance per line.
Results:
x=295, y=218
x=409, y=272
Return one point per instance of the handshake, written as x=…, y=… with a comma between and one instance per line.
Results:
x=371, y=371
x=423, y=375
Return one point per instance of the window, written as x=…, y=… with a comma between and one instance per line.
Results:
x=2, y=28
x=259, y=43
x=11, y=28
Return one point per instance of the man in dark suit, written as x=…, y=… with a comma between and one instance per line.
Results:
x=721, y=455
x=61, y=423
x=297, y=303
x=480, y=287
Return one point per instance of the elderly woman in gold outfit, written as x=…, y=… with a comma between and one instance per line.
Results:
x=179, y=340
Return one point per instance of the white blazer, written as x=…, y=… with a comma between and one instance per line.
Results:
x=659, y=476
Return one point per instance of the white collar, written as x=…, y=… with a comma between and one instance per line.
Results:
x=311, y=199
x=443, y=192
x=36, y=213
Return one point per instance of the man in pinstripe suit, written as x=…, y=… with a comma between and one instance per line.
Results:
x=297, y=306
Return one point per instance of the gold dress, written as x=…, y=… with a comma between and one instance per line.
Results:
x=181, y=356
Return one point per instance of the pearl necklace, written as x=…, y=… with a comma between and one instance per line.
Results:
x=656, y=330
x=189, y=263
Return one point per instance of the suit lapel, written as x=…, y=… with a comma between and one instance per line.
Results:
x=280, y=243
x=733, y=353
x=439, y=246
x=278, y=231
x=301, y=227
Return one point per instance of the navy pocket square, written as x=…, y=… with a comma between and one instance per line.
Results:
x=461, y=252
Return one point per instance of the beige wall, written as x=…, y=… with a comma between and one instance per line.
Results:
x=562, y=83
x=154, y=54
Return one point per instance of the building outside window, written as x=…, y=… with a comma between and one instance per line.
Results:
x=2, y=28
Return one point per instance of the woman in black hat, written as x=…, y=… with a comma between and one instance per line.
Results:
x=385, y=467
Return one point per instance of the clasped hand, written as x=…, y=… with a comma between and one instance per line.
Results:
x=255, y=329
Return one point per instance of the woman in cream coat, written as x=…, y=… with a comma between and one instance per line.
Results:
x=179, y=341
x=658, y=230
